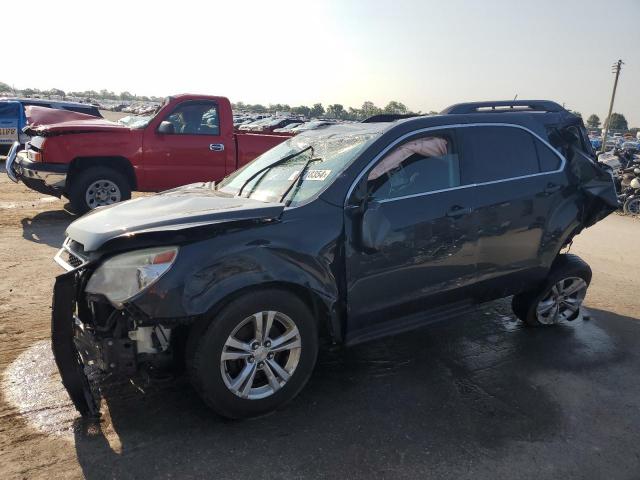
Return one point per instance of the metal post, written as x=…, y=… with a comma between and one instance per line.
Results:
x=616, y=68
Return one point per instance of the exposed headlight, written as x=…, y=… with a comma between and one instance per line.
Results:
x=124, y=276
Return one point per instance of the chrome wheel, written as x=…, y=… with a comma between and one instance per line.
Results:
x=562, y=302
x=102, y=192
x=260, y=355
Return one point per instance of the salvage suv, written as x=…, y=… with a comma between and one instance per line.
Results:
x=348, y=233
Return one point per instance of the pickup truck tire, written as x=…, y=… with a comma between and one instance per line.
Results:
x=230, y=360
x=559, y=298
x=95, y=187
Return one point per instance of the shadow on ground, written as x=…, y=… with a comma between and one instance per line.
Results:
x=46, y=227
x=478, y=397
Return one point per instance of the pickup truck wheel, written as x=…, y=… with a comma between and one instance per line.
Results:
x=255, y=355
x=96, y=187
x=559, y=298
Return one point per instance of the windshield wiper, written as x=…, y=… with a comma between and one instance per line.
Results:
x=274, y=164
x=298, y=180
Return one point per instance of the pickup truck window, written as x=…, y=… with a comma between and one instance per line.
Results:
x=195, y=118
x=330, y=154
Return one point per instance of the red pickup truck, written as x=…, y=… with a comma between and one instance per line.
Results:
x=95, y=162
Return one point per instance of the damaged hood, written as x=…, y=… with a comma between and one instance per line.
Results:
x=185, y=207
x=44, y=122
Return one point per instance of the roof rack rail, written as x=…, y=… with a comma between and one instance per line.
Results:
x=502, y=106
x=388, y=117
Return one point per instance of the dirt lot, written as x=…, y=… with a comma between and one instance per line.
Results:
x=478, y=397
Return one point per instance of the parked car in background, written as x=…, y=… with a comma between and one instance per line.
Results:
x=288, y=128
x=94, y=162
x=312, y=125
x=13, y=117
x=348, y=233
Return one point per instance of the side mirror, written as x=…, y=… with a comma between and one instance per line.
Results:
x=374, y=227
x=166, y=128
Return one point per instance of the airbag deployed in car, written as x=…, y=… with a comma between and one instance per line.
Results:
x=427, y=147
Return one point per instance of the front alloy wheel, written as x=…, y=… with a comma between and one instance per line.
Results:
x=255, y=354
x=260, y=355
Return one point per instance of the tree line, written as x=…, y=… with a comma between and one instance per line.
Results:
x=335, y=110
x=103, y=94
x=618, y=122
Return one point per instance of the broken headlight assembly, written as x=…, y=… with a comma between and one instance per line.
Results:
x=123, y=276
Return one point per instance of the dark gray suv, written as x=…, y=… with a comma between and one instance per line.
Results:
x=348, y=233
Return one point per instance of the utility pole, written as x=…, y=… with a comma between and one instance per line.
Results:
x=615, y=68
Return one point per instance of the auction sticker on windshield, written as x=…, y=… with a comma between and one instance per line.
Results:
x=319, y=175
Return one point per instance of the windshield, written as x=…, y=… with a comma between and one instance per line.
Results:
x=268, y=177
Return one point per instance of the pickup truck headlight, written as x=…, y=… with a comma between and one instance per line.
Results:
x=125, y=275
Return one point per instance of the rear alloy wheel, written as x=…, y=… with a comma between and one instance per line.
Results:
x=254, y=355
x=562, y=301
x=559, y=298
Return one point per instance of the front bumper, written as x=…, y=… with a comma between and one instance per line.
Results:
x=65, y=352
x=47, y=178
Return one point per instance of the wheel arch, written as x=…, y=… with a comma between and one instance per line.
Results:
x=320, y=306
x=118, y=163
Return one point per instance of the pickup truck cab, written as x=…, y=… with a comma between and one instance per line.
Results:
x=349, y=233
x=13, y=117
x=95, y=162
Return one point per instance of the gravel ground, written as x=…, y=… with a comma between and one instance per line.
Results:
x=477, y=397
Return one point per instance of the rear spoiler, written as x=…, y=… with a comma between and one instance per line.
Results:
x=503, y=106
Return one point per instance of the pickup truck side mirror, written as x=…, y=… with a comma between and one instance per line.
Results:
x=374, y=227
x=166, y=128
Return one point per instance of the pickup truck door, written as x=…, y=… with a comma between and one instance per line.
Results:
x=192, y=150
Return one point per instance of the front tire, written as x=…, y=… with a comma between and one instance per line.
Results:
x=559, y=298
x=255, y=355
x=97, y=187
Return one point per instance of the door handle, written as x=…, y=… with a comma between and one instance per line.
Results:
x=552, y=187
x=216, y=147
x=458, y=211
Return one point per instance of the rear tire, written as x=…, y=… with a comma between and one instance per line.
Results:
x=559, y=298
x=95, y=187
x=223, y=350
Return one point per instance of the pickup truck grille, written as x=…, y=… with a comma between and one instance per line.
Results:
x=70, y=256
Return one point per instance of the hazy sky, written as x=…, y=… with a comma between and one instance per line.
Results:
x=426, y=54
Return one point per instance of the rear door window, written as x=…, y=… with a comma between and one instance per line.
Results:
x=498, y=153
